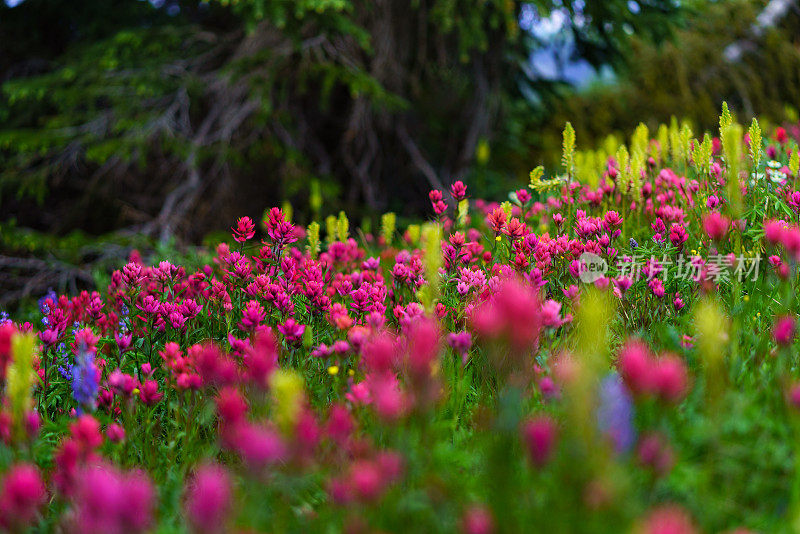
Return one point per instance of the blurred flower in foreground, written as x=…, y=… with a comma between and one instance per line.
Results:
x=784, y=330
x=209, y=500
x=668, y=519
x=615, y=413
x=21, y=496
x=477, y=520
x=539, y=435
x=111, y=501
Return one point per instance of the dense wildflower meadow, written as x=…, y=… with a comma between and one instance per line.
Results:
x=610, y=349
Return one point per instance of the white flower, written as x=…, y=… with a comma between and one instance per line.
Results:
x=777, y=177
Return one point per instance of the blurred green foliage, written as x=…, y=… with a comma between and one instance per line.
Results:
x=171, y=117
x=687, y=77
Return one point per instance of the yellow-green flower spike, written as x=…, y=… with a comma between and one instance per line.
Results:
x=342, y=227
x=663, y=142
x=330, y=229
x=413, y=233
x=312, y=236
x=725, y=119
x=287, y=394
x=732, y=148
x=432, y=256
x=568, y=149
x=20, y=375
x=755, y=142
x=288, y=211
x=388, y=226
x=315, y=197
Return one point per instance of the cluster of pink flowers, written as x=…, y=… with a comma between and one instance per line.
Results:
x=664, y=376
x=293, y=360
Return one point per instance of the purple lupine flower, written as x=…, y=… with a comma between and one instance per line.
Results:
x=61, y=354
x=615, y=413
x=84, y=379
x=50, y=295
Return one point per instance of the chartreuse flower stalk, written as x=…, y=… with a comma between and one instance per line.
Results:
x=588, y=364
x=701, y=156
x=342, y=227
x=662, y=137
x=414, y=231
x=463, y=211
x=20, y=379
x=711, y=326
x=590, y=361
x=725, y=118
x=287, y=395
x=330, y=229
x=754, y=133
x=732, y=148
x=568, y=150
x=312, y=235
x=432, y=256
x=388, y=227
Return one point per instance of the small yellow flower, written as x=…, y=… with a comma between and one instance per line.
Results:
x=135, y=391
x=498, y=238
x=351, y=372
x=746, y=298
x=333, y=370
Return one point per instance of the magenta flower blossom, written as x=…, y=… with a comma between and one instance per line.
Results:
x=107, y=500
x=458, y=190
x=437, y=201
x=670, y=378
x=291, y=330
x=259, y=446
x=477, y=520
x=539, y=436
x=634, y=364
x=513, y=313
x=716, y=225
x=551, y=313
x=657, y=286
x=123, y=340
x=244, y=229
x=784, y=330
x=49, y=337
x=794, y=395
x=252, y=316
x=22, y=494
x=461, y=343
x=149, y=393
x=209, y=500
x=279, y=230
x=132, y=275
x=115, y=433
x=677, y=235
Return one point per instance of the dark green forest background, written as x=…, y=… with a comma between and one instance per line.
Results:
x=153, y=123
